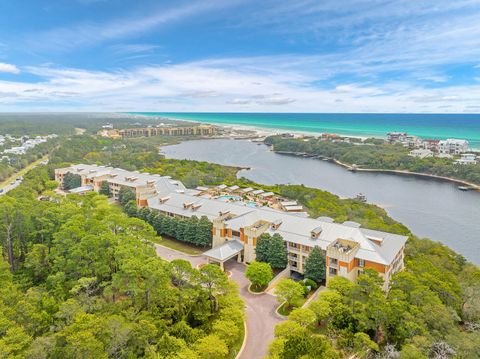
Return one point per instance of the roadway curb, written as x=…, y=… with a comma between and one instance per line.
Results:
x=244, y=344
x=255, y=293
x=278, y=314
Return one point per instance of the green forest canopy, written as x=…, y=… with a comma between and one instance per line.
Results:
x=82, y=280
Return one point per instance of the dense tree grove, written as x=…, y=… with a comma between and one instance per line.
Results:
x=378, y=156
x=81, y=280
x=420, y=316
x=272, y=250
x=193, y=230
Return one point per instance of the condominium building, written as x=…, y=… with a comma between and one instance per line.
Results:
x=452, y=146
x=200, y=130
x=144, y=185
x=349, y=249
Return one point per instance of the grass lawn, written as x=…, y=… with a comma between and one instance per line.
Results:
x=180, y=246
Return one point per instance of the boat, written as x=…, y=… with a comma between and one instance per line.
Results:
x=464, y=188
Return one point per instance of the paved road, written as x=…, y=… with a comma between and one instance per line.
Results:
x=10, y=186
x=260, y=309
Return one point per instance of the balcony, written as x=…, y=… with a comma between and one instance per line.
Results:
x=293, y=258
x=343, y=250
x=293, y=249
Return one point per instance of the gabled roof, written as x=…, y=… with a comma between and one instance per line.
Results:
x=225, y=251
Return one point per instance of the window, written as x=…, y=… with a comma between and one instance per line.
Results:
x=361, y=263
x=332, y=271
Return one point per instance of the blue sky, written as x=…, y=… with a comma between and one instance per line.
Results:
x=240, y=55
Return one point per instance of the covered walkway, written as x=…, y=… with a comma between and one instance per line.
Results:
x=223, y=253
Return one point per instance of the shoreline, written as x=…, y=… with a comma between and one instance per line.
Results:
x=259, y=132
x=473, y=186
x=269, y=131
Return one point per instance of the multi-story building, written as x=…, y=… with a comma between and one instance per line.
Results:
x=144, y=185
x=349, y=249
x=452, y=146
x=200, y=130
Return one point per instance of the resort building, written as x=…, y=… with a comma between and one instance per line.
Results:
x=349, y=249
x=200, y=130
x=453, y=146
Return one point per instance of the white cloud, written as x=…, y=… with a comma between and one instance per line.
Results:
x=9, y=68
x=87, y=34
x=203, y=86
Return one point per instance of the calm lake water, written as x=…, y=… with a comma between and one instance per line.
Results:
x=433, y=209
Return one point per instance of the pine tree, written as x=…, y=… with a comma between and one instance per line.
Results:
x=105, y=189
x=126, y=195
x=71, y=180
x=273, y=250
x=315, y=265
x=191, y=230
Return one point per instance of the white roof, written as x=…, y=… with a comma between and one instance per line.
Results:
x=293, y=208
x=289, y=203
x=81, y=189
x=268, y=194
x=127, y=178
x=225, y=251
x=258, y=191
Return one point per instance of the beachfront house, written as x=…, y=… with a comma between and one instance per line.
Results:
x=349, y=249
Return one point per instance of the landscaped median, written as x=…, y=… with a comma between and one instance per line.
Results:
x=260, y=274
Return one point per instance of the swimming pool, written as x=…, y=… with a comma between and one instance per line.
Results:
x=226, y=198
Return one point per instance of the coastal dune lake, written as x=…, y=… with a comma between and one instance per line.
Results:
x=430, y=208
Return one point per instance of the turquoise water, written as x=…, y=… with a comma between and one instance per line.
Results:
x=438, y=126
x=230, y=198
x=226, y=198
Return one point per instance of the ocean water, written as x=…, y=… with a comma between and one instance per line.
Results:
x=438, y=126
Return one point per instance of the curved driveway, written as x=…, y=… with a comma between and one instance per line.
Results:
x=259, y=309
